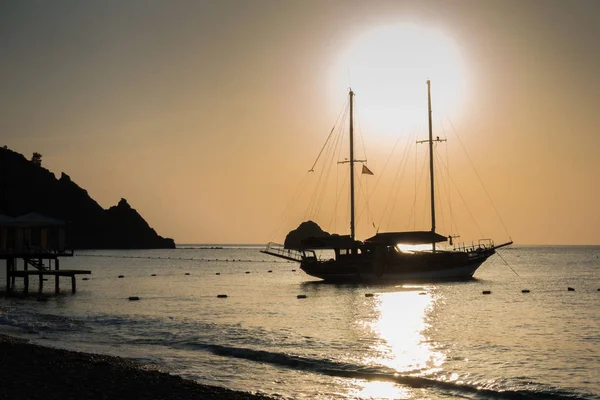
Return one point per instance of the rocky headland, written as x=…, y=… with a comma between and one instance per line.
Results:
x=25, y=187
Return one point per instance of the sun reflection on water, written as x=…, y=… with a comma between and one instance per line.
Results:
x=399, y=326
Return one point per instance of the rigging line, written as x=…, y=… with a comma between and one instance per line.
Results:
x=368, y=204
x=335, y=155
x=365, y=198
x=480, y=180
x=401, y=167
x=332, y=220
x=321, y=189
x=418, y=179
x=426, y=203
x=444, y=181
x=321, y=185
x=445, y=192
x=396, y=182
x=342, y=111
x=465, y=204
x=439, y=178
x=338, y=195
x=360, y=134
x=413, y=215
x=379, y=176
x=285, y=214
x=381, y=173
x=508, y=265
x=452, y=220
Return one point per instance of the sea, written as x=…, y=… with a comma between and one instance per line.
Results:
x=534, y=334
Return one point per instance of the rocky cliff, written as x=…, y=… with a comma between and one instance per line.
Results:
x=28, y=187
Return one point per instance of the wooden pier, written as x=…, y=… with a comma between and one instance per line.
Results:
x=38, y=241
x=40, y=269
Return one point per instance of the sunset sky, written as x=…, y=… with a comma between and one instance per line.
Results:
x=207, y=115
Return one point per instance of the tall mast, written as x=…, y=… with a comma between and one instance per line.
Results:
x=352, y=228
x=431, y=174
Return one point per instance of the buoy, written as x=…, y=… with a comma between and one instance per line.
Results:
x=247, y=272
x=570, y=289
x=525, y=291
x=487, y=292
x=133, y=298
x=301, y=296
x=121, y=276
x=293, y=270
x=221, y=296
x=218, y=273
x=269, y=271
x=153, y=275
x=368, y=294
x=187, y=273
x=599, y=289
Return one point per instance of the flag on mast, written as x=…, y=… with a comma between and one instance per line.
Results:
x=366, y=171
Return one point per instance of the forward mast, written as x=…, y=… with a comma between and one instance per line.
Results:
x=431, y=171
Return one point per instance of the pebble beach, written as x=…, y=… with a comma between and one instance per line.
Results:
x=34, y=372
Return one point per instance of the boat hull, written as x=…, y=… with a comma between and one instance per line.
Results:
x=401, y=267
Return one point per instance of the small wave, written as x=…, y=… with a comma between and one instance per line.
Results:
x=345, y=370
x=36, y=323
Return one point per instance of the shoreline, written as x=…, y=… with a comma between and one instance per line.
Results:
x=37, y=372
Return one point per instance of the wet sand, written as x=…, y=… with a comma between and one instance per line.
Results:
x=29, y=371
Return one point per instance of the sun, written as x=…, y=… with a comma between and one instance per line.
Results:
x=387, y=67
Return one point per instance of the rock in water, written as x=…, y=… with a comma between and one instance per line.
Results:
x=305, y=230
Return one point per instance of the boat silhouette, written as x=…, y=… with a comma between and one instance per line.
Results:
x=380, y=258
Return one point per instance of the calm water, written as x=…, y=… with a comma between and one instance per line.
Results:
x=435, y=341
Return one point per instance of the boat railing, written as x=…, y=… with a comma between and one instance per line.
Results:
x=486, y=244
x=482, y=244
x=279, y=250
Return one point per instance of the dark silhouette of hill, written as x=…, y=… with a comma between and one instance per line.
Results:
x=27, y=187
x=305, y=230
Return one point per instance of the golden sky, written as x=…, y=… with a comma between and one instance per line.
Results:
x=206, y=115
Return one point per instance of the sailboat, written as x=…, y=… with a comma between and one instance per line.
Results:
x=380, y=258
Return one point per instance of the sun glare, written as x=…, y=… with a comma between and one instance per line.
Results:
x=402, y=343
x=388, y=66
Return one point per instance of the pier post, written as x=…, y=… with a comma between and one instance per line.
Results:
x=56, y=278
x=41, y=277
x=73, y=285
x=9, y=262
x=26, y=276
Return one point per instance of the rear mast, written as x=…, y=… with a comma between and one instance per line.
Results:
x=352, y=226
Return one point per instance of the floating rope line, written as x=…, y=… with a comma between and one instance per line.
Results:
x=182, y=258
